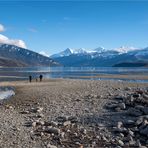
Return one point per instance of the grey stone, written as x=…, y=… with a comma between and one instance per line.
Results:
x=120, y=142
x=122, y=105
x=66, y=123
x=51, y=146
x=52, y=130
x=134, y=112
x=145, y=110
x=129, y=122
x=144, y=131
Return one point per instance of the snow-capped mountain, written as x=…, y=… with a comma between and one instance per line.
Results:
x=124, y=49
x=11, y=55
x=101, y=56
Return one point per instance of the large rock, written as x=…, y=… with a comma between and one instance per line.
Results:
x=144, y=131
x=134, y=112
x=145, y=110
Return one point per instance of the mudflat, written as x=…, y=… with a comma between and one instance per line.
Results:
x=66, y=113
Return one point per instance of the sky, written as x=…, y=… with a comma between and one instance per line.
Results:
x=52, y=26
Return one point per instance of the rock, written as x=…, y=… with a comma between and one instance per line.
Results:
x=119, y=124
x=138, y=144
x=34, y=124
x=132, y=143
x=25, y=112
x=134, y=112
x=35, y=110
x=139, y=120
x=41, y=123
x=39, y=109
x=120, y=142
x=144, y=131
x=128, y=88
x=143, y=147
x=131, y=133
x=111, y=106
x=145, y=110
x=53, y=130
x=129, y=123
x=61, y=118
x=121, y=105
x=66, y=123
x=73, y=119
x=119, y=98
x=145, y=96
x=139, y=107
x=136, y=95
x=40, y=115
x=51, y=146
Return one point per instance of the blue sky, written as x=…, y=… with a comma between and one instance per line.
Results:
x=52, y=26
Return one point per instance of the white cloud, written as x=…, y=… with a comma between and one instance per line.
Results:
x=44, y=53
x=16, y=42
x=2, y=28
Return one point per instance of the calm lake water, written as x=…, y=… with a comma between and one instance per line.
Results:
x=8, y=74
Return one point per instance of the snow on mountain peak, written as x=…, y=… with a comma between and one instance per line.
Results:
x=124, y=49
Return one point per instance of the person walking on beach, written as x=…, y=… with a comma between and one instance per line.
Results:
x=30, y=79
x=41, y=77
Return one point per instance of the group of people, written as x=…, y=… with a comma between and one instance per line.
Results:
x=40, y=77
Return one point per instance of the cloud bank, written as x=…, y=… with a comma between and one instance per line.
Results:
x=6, y=40
x=16, y=42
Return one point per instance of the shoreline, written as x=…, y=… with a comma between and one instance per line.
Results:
x=77, y=106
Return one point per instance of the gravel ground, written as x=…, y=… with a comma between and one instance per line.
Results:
x=47, y=101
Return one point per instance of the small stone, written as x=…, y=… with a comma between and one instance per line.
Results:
x=34, y=124
x=61, y=118
x=52, y=130
x=62, y=134
x=128, y=88
x=40, y=115
x=122, y=106
x=111, y=106
x=139, y=121
x=41, y=122
x=120, y=142
x=73, y=119
x=66, y=123
x=119, y=124
x=51, y=146
x=39, y=109
x=145, y=110
x=129, y=122
x=131, y=133
x=145, y=96
x=25, y=112
x=136, y=95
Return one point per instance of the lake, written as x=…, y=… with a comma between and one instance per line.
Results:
x=10, y=74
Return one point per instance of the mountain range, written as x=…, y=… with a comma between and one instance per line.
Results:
x=14, y=56
x=123, y=56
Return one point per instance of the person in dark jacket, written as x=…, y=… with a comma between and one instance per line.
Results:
x=30, y=79
x=41, y=77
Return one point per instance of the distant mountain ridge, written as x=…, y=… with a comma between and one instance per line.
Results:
x=102, y=57
x=14, y=56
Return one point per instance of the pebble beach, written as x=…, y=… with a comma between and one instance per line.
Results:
x=64, y=113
